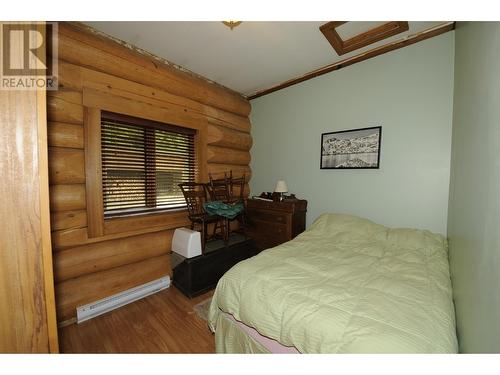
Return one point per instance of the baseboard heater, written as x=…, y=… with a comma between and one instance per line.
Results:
x=115, y=301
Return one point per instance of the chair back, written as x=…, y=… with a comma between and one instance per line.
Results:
x=195, y=195
x=237, y=187
x=220, y=188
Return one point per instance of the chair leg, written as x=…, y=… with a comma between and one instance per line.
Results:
x=203, y=236
x=226, y=231
x=216, y=224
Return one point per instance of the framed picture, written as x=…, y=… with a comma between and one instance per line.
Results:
x=351, y=149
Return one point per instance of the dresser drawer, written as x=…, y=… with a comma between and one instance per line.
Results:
x=270, y=234
x=269, y=216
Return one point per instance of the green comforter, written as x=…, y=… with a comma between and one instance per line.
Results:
x=346, y=285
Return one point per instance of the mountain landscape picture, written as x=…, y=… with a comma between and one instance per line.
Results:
x=358, y=148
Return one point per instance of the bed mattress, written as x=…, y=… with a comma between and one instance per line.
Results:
x=346, y=285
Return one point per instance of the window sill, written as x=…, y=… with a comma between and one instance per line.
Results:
x=121, y=215
x=159, y=220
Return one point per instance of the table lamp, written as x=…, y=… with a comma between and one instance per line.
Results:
x=281, y=188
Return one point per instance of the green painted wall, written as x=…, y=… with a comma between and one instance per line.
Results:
x=474, y=208
x=410, y=93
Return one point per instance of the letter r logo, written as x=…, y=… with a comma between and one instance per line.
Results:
x=35, y=46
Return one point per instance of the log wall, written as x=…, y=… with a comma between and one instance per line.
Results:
x=130, y=251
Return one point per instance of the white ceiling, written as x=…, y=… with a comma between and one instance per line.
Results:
x=251, y=57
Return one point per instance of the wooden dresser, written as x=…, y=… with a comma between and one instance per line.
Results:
x=272, y=223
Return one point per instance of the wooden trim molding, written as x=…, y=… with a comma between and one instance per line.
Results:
x=126, y=106
x=47, y=260
x=93, y=171
x=155, y=220
x=364, y=39
x=415, y=38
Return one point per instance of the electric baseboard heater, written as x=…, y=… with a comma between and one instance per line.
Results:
x=104, y=305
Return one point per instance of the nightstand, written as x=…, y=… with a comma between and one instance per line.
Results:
x=272, y=223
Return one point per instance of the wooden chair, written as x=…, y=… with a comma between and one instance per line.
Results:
x=229, y=190
x=219, y=189
x=237, y=188
x=195, y=195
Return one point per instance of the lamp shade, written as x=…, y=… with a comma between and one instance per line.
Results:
x=281, y=187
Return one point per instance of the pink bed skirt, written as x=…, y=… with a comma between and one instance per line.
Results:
x=270, y=344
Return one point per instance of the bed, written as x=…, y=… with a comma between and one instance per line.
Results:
x=346, y=285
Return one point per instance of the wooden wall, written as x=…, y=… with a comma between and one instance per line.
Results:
x=27, y=308
x=128, y=252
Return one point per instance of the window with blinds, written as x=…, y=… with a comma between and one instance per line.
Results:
x=143, y=162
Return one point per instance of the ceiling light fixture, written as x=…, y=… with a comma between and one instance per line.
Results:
x=232, y=24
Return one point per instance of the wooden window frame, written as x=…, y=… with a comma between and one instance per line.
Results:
x=364, y=39
x=94, y=103
x=149, y=128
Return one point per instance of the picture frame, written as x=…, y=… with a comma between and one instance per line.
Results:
x=351, y=149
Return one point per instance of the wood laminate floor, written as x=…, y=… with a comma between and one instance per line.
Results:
x=162, y=323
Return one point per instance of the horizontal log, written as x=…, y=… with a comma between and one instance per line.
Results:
x=101, y=256
x=80, y=46
x=88, y=288
x=228, y=120
x=77, y=76
x=218, y=170
x=68, y=219
x=216, y=116
x=60, y=110
x=223, y=137
x=166, y=220
x=69, y=75
x=66, y=166
x=226, y=155
x=61, y=134
x=67, y=197
x=246, y=191
x=66, y=238
x=119, y=104
x=67, y=94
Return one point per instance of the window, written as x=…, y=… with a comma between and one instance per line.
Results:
x=142, y=164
